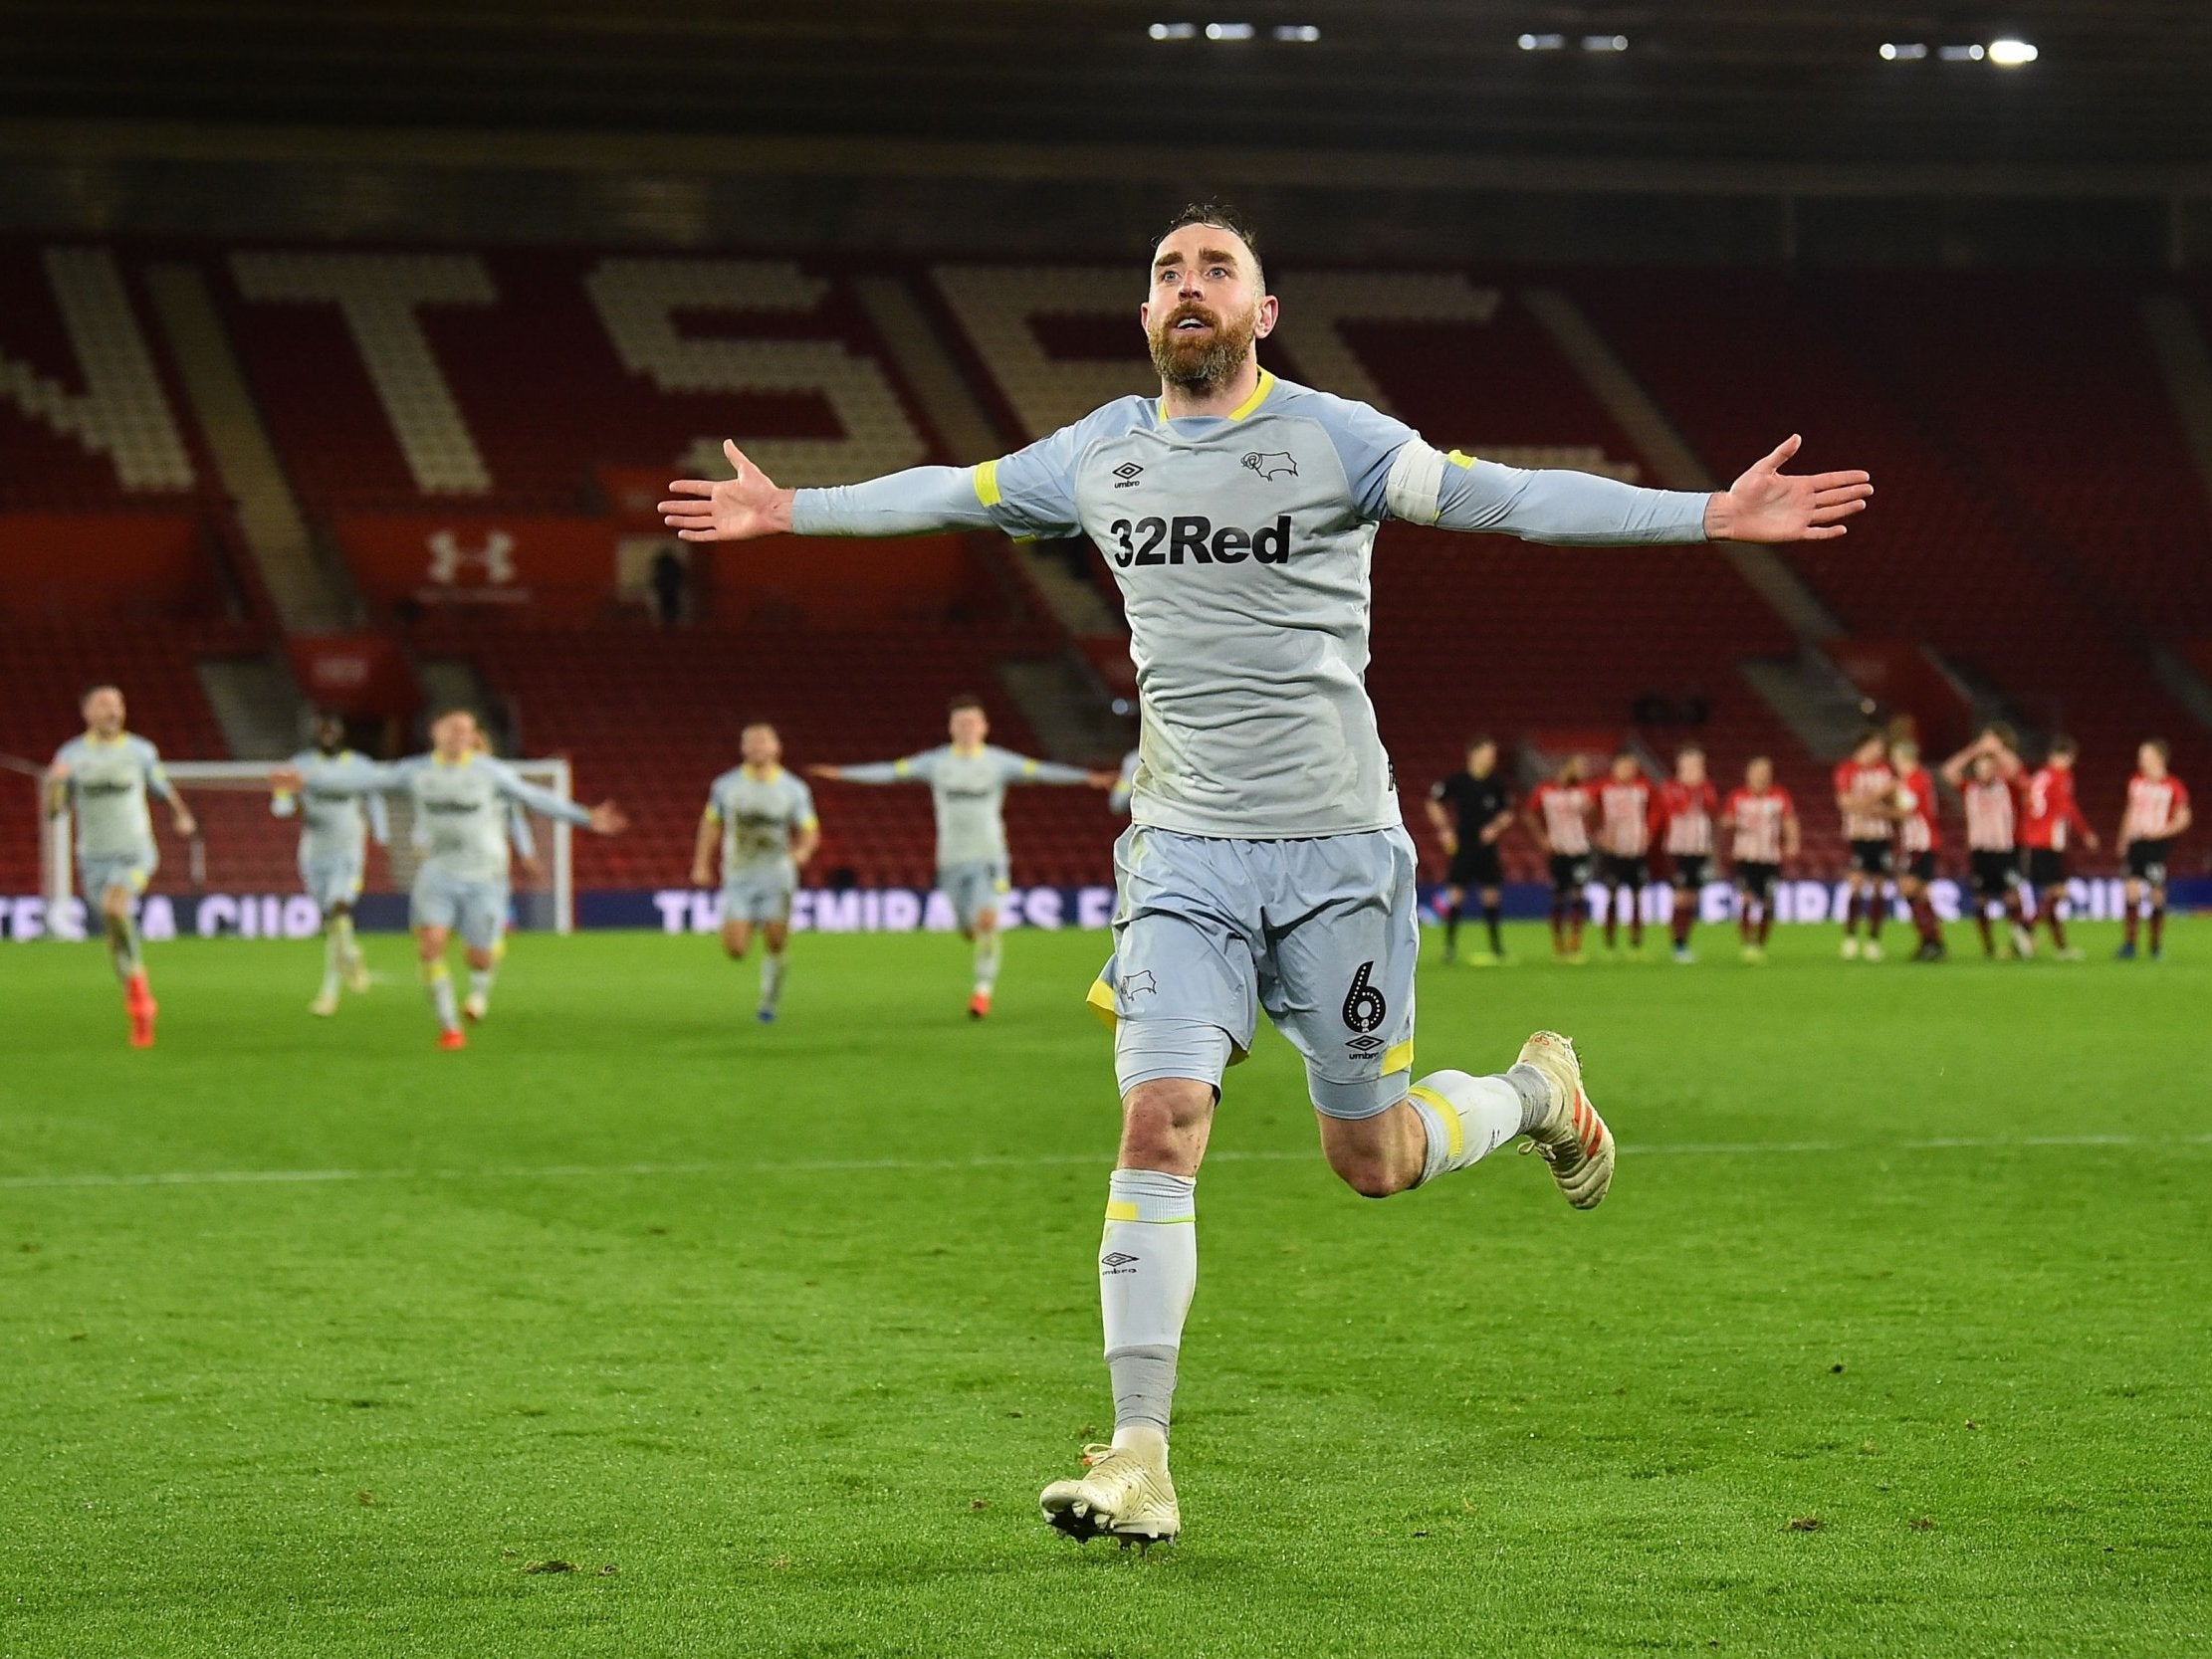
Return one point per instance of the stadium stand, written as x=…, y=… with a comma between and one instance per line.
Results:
x=479, y=412
x=1946, y=559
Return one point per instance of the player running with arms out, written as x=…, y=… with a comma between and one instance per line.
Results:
x=1625, y=847
x=1266, y=865
x=1760, y=821
x=2051, y=819
x=1470, y=811
x=1558, y=817
x=104, y=777
x=969, y=779
x=1918, y=836
x=1987, y=775
x=461, y=796
x=2157, y=811
x=1683, y=823
x=764, y=817
x=335, y=827
x=1865, y=799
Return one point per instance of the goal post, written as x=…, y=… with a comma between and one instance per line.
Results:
x=243, y=851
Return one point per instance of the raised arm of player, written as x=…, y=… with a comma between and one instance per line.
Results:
x=604, y=819
x=917, y=502
x=913, y=768
x=1571, y=508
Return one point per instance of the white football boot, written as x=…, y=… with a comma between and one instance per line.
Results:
x=475, y=1006
x=1123, y=1493
x=1570, y=1136
x=356, y=973
x=324, y=1004
x=1872, y=952
x=1850, y=947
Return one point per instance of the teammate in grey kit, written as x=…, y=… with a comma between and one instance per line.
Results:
x=764, y=819
x=104, y=776
x=968, y=780
x=335, y=827
x=1266, y=865
x=461, y=797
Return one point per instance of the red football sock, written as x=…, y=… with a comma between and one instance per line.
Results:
x=2158, y=929
x=1851, y=914
x=2132, y=923
x=2058, y=928
x=1989, y=939
x=1924, y=921
x=1878, y=910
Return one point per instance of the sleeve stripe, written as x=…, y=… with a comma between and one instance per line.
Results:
x=986, y=483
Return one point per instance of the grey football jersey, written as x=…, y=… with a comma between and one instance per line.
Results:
x=461, y=809
x=1242, y=545
x=968, y=792
x=334, y=823
x=758, y=816
x=109, y=781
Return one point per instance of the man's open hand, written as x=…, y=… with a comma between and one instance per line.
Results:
x=729, y=510
x=1769, y=505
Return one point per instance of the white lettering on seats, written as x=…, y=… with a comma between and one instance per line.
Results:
x=638, y=301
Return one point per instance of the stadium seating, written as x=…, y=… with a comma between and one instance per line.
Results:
x=1741, y=359
x=2037, y=552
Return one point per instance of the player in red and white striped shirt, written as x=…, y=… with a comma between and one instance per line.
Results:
x=1683, y=824
x=1919, y=834
x=1624, y=846
x=1760, y=821
x=1987, y=775
x=1559, y=814
x=2157, y=811
x=2049, y=817
x=1865, y=799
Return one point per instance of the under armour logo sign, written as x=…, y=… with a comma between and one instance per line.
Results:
x=1140, y=984
x=448, y=557
x=1272, y=463
x=1364, y=1007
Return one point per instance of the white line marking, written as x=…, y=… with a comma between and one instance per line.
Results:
x=592, y=1171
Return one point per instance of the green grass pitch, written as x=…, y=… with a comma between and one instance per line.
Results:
x=1892, y=1337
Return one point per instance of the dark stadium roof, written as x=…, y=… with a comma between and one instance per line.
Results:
x=2117, y=82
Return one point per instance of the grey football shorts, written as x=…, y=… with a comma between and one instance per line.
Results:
x=331, y=881
x=759, y=891
x=476, y=909
x=133, y=871
x=974, y=887
x=1320, y=933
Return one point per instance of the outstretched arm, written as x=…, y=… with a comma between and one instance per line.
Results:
x=915, y=768
x=1028, y=494
x=1025, y=770
x=604, y=819
x=702, y=848
x=1570, y=509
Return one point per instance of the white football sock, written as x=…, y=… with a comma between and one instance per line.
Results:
x=1467, y=1118
x=771, y=979
x=1148, y=1269
x=349, y=949
x=122, y=947
x=334, y=960
x=480, y=982
x=988, y=949
x=437, y=982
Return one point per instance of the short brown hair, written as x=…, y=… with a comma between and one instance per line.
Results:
x=2159, y=747
x=966, y=699
x=2061, y=743
x=1222, y=216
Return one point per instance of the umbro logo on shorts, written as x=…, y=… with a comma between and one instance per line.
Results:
x=1366, y=1045
x=1114, y=1261
x=1273, y=463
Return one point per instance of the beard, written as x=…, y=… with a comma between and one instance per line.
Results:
x=1201, y=363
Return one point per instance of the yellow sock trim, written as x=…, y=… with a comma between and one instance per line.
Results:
x=432, y=973
x=1455, y=1135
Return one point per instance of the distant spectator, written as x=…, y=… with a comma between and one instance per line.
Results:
x=670, y=578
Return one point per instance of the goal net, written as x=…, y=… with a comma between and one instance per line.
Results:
x=241, y=874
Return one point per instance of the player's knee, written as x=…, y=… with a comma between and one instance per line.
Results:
x=1158, y=1120
x=1367, y=1173
x=481, y=959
